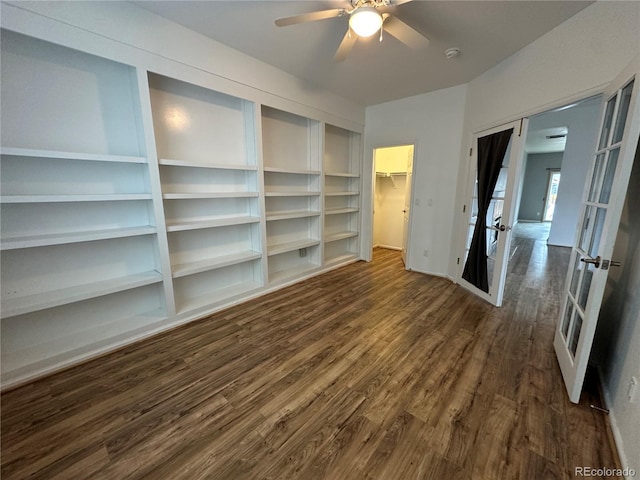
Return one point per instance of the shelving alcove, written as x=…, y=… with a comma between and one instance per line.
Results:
x=205, y=142
x=78, y=237
x=291, y=153
x=342, y=165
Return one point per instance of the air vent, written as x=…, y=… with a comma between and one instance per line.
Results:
x=561, y=135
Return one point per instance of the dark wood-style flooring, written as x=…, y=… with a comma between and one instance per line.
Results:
x=366, y=372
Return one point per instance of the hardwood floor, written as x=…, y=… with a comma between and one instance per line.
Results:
x=367, y=372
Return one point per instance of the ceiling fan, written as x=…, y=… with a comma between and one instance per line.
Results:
x=366, y=17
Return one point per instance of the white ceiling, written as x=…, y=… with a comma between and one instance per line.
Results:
x=486, y=31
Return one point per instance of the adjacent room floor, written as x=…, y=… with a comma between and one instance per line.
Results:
x=366, y=372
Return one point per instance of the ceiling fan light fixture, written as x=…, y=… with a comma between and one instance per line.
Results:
x=365, y=21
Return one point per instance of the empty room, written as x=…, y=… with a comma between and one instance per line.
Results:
x=333, y=239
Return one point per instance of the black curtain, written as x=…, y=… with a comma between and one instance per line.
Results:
x=491, y=150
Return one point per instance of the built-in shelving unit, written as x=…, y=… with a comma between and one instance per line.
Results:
x=210, y=191
x=132, y=202
x=291, y=146
x=79, y=248
x=342, y=153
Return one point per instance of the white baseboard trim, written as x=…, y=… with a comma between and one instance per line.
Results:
x=389, y=247
x=613, y=424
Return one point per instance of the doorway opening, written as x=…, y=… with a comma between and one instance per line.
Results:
x=392, y=194
x=552, y=195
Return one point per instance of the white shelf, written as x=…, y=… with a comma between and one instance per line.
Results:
x=291, y=171
x=40, y=301
x=181, y=225
x=74, y=198
x=345, y=257
x=339, y=236
x=92, y=157
x=291, y=214
x=336, y=211
x=216, y=296
x=340, y=194
x=180, y=270
x=290, y=273
x=220, y=166
x=341, y=174
x=279, y=248
x=29, y=241
x=186, y=196
x=59, y=352
x=292, y=194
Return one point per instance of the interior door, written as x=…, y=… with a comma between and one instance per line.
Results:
x=407, y=205
x=501, y=211
x=602, y=206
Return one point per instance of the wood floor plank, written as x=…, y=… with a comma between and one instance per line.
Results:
x=366, y=372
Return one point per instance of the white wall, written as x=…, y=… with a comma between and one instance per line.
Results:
x=574, y=60
x=434, y=122
x=618, y=335
x=582, y=122
x=536, y=182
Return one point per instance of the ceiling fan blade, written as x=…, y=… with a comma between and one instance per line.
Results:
x=406, y=34
x=311, y=17
x=346, y=45
x=393, y=3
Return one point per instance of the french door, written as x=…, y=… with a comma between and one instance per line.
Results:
x=500, y=214
x=601, y=210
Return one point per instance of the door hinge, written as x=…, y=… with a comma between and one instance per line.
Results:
x=464, y=208
x=471, y=151
x=521, y=125
x=458, y=262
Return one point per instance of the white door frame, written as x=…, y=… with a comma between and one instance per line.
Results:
x=408, y=265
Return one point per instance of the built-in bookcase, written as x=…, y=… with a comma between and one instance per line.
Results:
x=341, y=173
x=291, y=146
x=79, y=248
x=205, y=142
x=132, y=202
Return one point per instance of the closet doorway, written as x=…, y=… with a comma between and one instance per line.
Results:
x=392, y=198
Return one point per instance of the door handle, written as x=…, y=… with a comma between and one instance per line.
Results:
x=501, y=228
x=594, y=261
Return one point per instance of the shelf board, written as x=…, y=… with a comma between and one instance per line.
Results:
x=285, y=215
x=40, y=301
x=186, y=305
x=340, y=194
x=291, y=171
x=336, y=211
x=341, y=174
x=110, y=197
x=92, y=157
x=180, y=225
x=29, y=241
x=291, y=273
x=291, y=194
x=220, y=166
x=285, y=247
x=339, y=236
x=187, y=196
x=344, y=257
x=58, y=352
x=189, y=268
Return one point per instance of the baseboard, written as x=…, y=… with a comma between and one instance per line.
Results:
x=389, y=247
x=613, y=424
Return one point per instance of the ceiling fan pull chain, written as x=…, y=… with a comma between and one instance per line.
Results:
x=381, y=30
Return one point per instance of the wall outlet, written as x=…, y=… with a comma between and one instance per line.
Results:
x=430, y=202
x=416, y=202
x=425, y=253
x=633, y=390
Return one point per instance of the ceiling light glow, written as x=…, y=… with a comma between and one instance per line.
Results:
x=365, y=21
